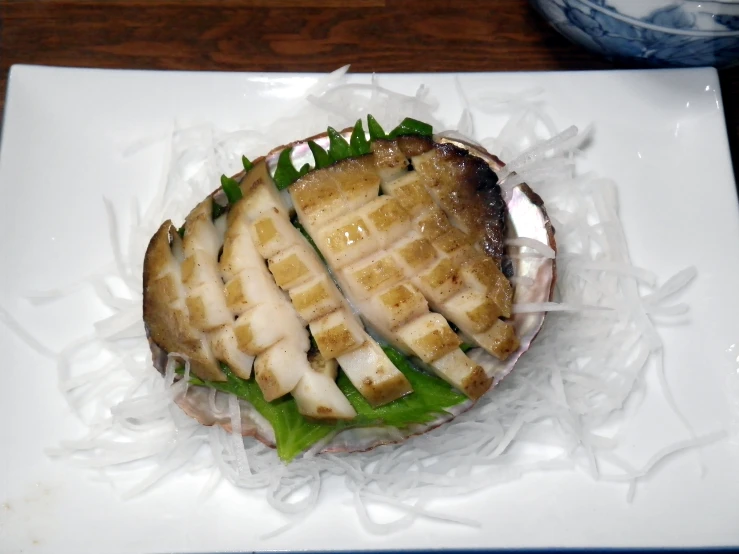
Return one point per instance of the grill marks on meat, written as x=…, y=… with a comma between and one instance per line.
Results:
x=455, y=202
x=418, y=255
x=427, y=251
x=259, y=232
x=165, y=310
x=466, y=222
x=205, y=298
x=466, y=188
x=340, y=336
x=250, y=307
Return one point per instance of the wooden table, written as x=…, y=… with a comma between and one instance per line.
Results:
x=298, y=35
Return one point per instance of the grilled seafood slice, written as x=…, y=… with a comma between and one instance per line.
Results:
x=402, y=257
x=233, y=304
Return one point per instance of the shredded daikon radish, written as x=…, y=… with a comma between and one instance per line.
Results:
x=533, y=307
x=563, y=409
x=543, y=249
x=532, y=154
x=327, y=81
x=674, y=285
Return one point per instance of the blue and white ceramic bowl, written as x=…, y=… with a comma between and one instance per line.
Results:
x=659, y=32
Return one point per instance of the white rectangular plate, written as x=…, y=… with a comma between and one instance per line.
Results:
x=660, y=134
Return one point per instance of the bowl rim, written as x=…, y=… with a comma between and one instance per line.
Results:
x=652, y=27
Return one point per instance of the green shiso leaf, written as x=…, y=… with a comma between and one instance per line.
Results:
x=293, y=433
x=285, y=173
x=375, y=130
x=320, y=156
x=217, y=211
x=231, y=188
x=431, y=397
x=410, y=126
x=338, y=149
x=358, y=141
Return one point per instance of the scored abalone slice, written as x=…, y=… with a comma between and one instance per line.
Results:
x=402, y=257
x=252, y=306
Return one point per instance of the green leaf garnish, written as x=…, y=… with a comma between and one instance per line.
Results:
x=231, y=188
x=285, y=173
x=247, y=164
x=465, y=346
x=338, y=149
x=430, y=398
x=216, y=210
x=375, y=130
x=358, y=141
x=293, y=433
x=181, y=232
x=410, y=126
x=320, y=156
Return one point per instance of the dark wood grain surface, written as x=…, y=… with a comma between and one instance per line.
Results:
x=295, y=35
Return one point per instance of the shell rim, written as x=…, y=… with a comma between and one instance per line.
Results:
x=160, y=357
